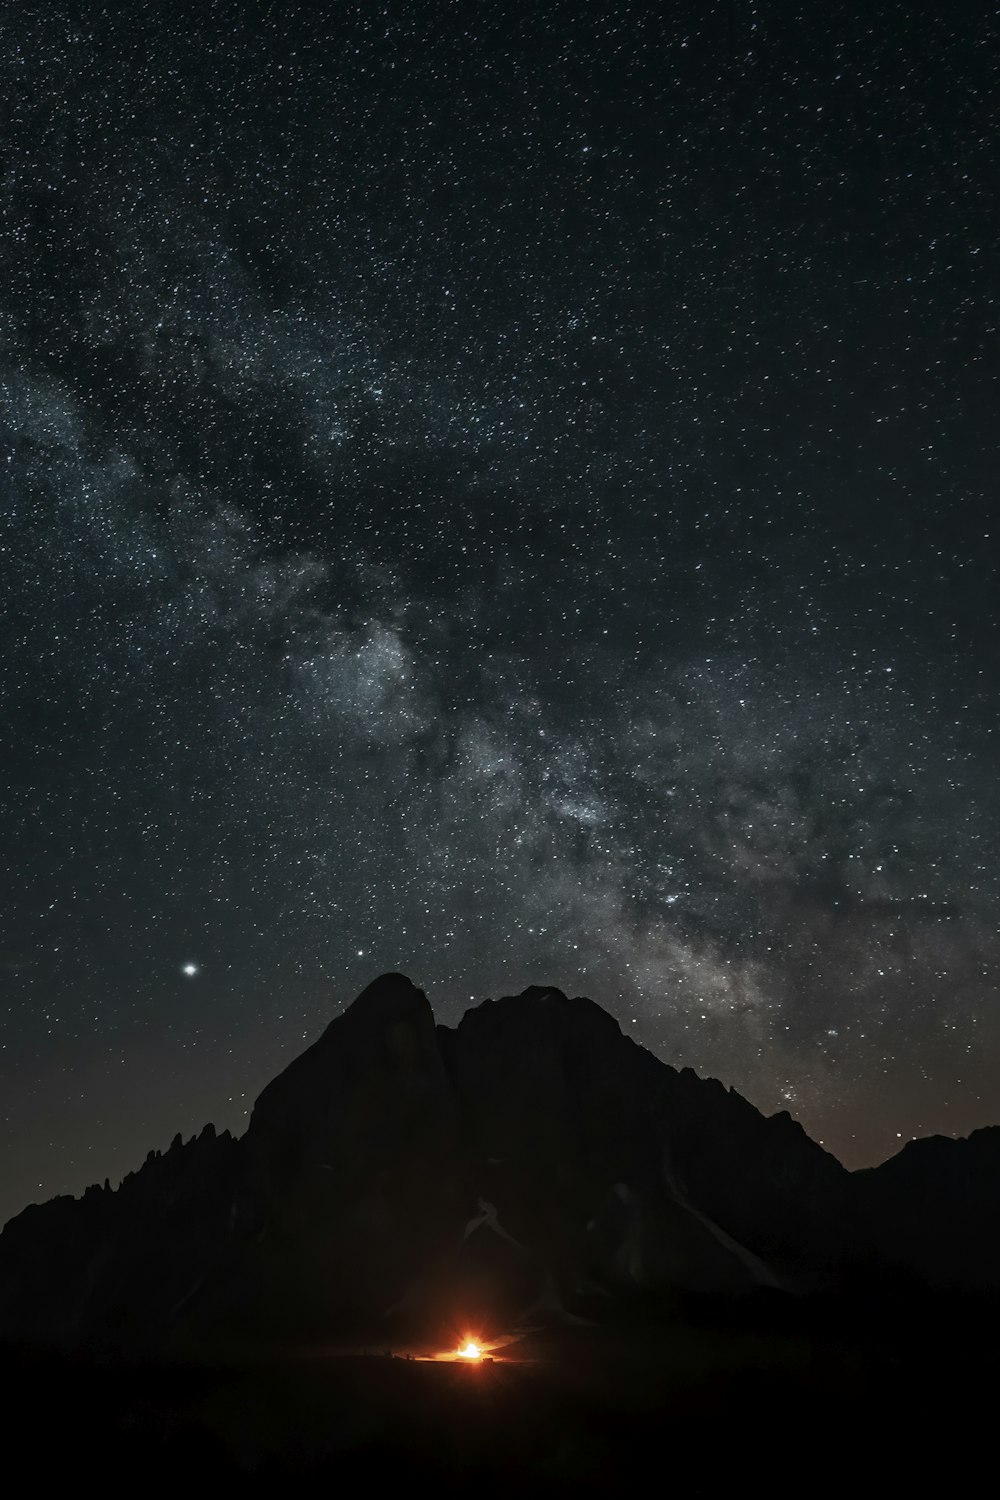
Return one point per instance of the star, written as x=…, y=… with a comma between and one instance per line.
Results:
x=189, y=970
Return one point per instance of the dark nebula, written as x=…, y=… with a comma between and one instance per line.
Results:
x=501, y=493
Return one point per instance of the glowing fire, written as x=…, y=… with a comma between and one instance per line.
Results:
x=470, y=1351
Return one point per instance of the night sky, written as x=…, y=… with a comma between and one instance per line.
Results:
x=506, y=493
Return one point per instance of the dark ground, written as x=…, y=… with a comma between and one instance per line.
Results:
x=804, y=1398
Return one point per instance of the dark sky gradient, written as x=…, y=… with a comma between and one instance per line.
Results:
x=506, y=493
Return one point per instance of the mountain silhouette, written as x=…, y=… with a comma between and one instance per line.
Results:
x=530, y=1163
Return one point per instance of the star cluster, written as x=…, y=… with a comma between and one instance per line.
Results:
x=503, y=493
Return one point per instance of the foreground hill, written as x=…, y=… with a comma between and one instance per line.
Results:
x=532, y=1163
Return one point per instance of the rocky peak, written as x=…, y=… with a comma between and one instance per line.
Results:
x=508, y=1161
x=369, y=1078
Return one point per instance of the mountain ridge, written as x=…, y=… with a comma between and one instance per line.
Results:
x=532, y=1157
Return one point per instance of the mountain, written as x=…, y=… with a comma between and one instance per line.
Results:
x=934, y=1208
x=532, y=1162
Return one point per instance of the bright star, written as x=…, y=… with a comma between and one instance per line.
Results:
x=190, y=970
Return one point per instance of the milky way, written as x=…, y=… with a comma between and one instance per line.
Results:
x=502, y=493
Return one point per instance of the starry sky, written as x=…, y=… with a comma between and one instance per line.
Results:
x=504, y=492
